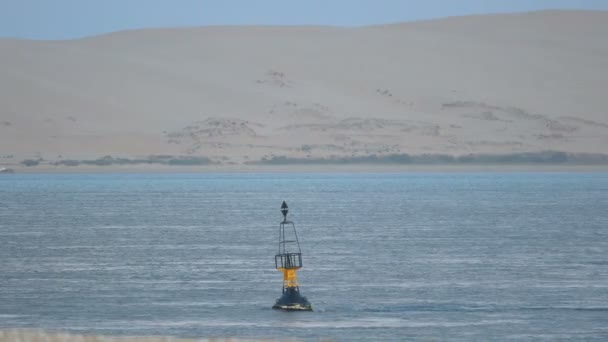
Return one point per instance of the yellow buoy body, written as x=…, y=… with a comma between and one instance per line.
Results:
x=290, y=277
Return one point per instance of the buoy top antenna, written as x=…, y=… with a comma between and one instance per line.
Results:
x=284, y=210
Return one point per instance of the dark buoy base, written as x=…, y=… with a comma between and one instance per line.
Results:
x=291, y=300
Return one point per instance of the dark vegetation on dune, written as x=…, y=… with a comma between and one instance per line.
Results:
x=31, y=162
x=523, y=158
x=545, y=157
x=109, y=161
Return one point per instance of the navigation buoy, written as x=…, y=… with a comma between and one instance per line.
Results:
x=288, y=261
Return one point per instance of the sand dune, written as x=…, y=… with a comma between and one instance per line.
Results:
x=494, y=84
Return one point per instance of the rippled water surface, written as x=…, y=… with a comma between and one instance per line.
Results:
x=386, y=256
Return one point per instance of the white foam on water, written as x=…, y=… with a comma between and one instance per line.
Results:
x=26, y=233
x=11, y=316
x=393, y=323
x=334, y=324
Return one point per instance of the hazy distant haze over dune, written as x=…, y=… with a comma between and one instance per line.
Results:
x=480, y=84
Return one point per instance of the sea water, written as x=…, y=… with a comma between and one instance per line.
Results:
x=458, y=256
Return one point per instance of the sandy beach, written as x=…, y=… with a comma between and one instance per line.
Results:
x=42, y=336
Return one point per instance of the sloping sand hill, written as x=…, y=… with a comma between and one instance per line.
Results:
x=494, y=84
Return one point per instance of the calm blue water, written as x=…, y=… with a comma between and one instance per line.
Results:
x=386, y=256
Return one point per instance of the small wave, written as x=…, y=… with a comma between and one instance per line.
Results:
x=569, y=308
x=388, y=308
x=429, y=308
x=10, y=316
x=395, y=323
x=32, y=233
x=598, y=263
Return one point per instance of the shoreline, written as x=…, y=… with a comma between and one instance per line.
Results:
x=544, y=161
x=344, y=168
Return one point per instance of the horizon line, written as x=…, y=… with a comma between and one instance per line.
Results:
x=261, y=25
